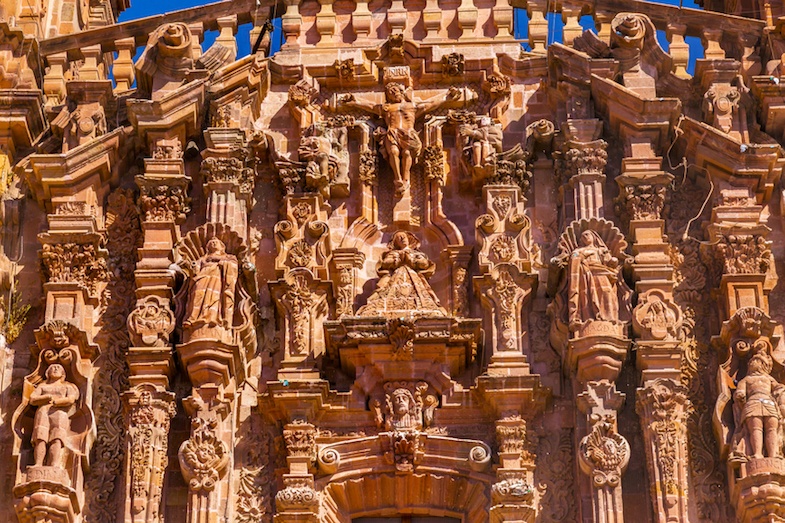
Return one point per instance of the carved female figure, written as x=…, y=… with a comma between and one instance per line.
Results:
x=403, y=287
x=211, y=301
x=594, y=275
x=55, y=399
x=758, y=412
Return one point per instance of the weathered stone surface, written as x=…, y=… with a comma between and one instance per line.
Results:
x=401, y=268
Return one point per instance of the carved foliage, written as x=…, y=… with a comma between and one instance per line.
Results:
x=642, y=201
x=80, y=263
x=604, y=454
x=453, y=64
x=203, y=457
x=744, y=253
x=554, y=471
x=148, y=431
x=163, y=200
x=299, y=437
x=663, y=407
x=229, y=170
x=253, y=501
x=581, y=158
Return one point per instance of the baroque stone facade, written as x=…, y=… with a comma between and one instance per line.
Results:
x=405, y=268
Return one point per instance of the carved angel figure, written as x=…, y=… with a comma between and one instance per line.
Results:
x=212, y=298
x=402, y=144
x=481, y=142
x=594, y=273
x=403, y=289
x=55, y=399
x=757, y=408
x=325, y=150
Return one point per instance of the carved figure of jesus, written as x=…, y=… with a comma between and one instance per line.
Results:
x=593, y=280
x=211, y=300
x=404, y=413
x=760, y=414
x=55, y=399
x=402, y=145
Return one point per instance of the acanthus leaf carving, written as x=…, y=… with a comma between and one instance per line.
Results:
x=203, y=457
x=81, y=263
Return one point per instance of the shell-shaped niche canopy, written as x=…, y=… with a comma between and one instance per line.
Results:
x=193, y=246
x=610, y=235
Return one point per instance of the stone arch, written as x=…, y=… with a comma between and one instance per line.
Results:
x=435, y=493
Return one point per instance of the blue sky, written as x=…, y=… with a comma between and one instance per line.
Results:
x=143, y=8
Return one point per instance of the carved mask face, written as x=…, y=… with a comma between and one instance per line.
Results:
x=587, y=239
x=394, y=93
x=400, y=240
x=216, y=246
x=55, y=372
x=400, y=404
x=759, y=364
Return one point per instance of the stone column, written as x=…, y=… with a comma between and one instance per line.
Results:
x=747, y=414
x=302, y=290
x=298, y=500
x=346, y=262
x=164, y=203
x=580, y=166
x=603, y=453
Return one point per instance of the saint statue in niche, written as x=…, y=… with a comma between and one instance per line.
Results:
x=594, y=275
x=403, y=289
x=56, y=399
x=212, y=297
x=402, y=144
x=757, y=409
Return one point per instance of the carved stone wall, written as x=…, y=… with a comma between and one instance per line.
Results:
x=403, y=267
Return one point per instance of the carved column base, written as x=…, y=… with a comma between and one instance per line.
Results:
x=514, y=498
x=598, y=352
x=45, y=498
x=760, y=494
x=298, y=501
x=210, y=361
